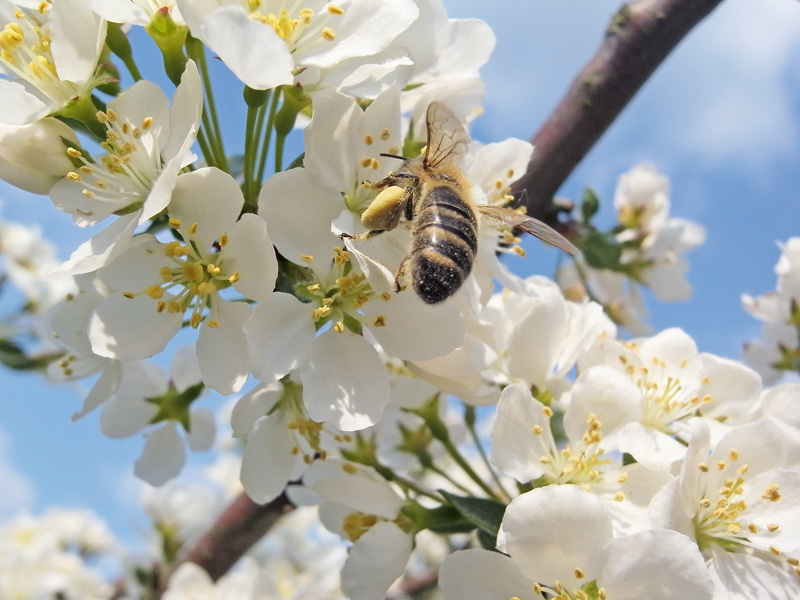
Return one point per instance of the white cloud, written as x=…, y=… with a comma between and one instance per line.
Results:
x=727, y=92
x=18, y=490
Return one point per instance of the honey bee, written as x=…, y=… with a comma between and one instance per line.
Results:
x=434, y=196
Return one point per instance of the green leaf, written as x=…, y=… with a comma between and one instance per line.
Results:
x=486, y=514
x=601, y=251
x=590, y=204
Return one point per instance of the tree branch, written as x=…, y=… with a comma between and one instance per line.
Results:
x=638, y=39
x=240, y=526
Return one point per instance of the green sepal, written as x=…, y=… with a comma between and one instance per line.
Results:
x=295, y=100
x=132, y=207
x=170, y=38
x=174, y=405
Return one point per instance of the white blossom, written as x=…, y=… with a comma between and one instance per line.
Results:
x=737, y=501
x=558, y=540
x=644, y=390
x=265, y=44
x=50, y=54
x=160, y=282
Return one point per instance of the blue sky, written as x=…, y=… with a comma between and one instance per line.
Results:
x=720, y=119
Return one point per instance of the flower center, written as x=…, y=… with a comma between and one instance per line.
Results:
x=723, y=518
x=301, y=28
x=192, y=278
x=130, y=167
x=666, y=396
x=339, y=296
x=25, y=51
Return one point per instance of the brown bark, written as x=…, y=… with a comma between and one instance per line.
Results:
x=638, y=39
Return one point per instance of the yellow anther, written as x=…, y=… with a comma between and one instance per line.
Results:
x=193, y=228
x=385, y=134
x=161, y=306
x=380, y=321
x=772, y=527
x=212, y=270
x=619, y=496
x=206, y=287
x=338, y=327
x=328, y=34
x=128, y=295
x=193, y=272
x=174, y=223
x=73, y=176
x=366, y=162
x=166, y=274
x=74, y=152
x=368, y=139
x=155, y=292
x=349, y=469
x=213, y=323
x=386, y=296
x=147, y=122
x=335, y=10
x=307, y=258
x=223, y=240
x=195, y=320
x=234, y=277
x=537, y=429
x=547, y=411
x=771, y=493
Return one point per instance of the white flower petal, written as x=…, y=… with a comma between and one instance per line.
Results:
x=299, y=213
x=202, y=427
x=222, y=351
x=131, y=328
x=415, y=330
x=78, y=37
x=658, y=565
x=652, y=448
x=209, y=197
x=334, y=391
x=552, y=530
x=375, y=561
x=163, y=456
x=249, y=253
x=516, y=450
x=279, y=335
x=483, y=575
x=250, y=48
x=254, y=405
x=103, y=247
x=606, y=393
x=268, y=460
x=20, y=107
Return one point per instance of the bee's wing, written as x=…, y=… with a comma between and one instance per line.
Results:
x=504, y=217
x=447, y=138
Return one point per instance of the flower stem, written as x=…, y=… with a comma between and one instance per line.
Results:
x=196, y=50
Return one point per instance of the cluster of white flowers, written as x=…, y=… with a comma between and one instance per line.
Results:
x=644, y=249
x=640, y=468
x=51, y=556
x=778, y=351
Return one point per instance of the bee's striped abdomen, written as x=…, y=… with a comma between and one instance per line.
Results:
x=445, y=240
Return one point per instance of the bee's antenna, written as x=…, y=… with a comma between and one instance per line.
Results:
x=393, y=156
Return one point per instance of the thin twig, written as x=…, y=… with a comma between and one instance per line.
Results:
x=638, y=39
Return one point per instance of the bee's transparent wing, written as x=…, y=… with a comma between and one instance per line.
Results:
x=447, y=138
x=504, y=217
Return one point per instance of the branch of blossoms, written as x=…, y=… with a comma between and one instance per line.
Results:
x=640, y=36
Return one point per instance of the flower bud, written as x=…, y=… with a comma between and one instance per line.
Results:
x=34, y=157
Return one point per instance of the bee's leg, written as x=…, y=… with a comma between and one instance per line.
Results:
x=401, y=277
x=362, y=236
